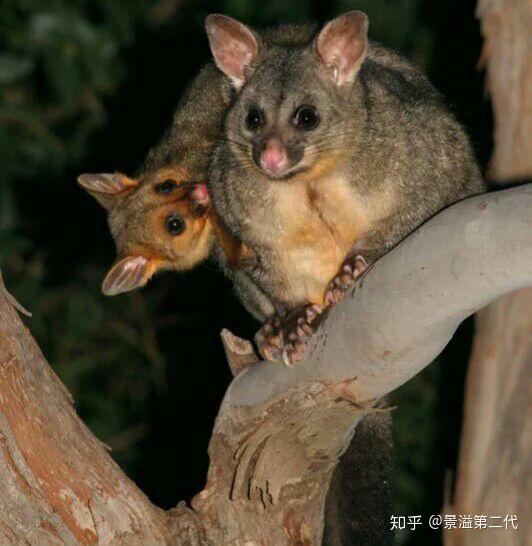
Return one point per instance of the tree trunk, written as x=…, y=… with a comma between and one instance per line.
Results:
x=58, y=483
x=495, y=467
x=280, y=431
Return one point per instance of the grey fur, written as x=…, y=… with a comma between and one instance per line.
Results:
x=198, y=117
x=395, y=134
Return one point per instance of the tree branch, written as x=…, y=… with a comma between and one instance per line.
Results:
x=288, y=427
x=59, y=484
x=279, y=431
x=406, y=309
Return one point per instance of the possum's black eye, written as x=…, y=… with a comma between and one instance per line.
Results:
x=166, y=187
x=175, y=224
x=254, y=119
x=306, y=117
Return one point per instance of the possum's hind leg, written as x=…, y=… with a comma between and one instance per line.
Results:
x=285, y=338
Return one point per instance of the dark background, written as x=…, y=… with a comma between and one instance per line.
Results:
x=89, y=86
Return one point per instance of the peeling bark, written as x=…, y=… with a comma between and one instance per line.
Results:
x=287, y=427
x=59, y=485
x=280, y=431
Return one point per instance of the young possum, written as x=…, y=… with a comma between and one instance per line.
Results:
x=161, y=218
x=334, y=149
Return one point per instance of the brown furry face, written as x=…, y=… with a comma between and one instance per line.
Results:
x=165, y=218
x=160, y=220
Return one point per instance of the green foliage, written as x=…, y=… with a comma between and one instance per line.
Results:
x=60, y=58
x=59, y=61
x=397, y=24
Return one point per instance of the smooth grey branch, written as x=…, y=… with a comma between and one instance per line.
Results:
x=408, y=306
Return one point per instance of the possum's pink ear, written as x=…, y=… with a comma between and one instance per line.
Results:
x=128, y=273
x=342, y=45
x=234, y=47
x=107, y=188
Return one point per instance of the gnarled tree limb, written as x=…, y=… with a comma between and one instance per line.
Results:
x=405, y=310
x=288, y=426
x=279, y=431
x=58, y=483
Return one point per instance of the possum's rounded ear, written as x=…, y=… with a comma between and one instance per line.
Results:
x=342, y=45
x=107, y=188
x=128, y=273
x=234, y=47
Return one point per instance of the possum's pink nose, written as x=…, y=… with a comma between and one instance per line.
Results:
x=274, y=158
x=200, y=194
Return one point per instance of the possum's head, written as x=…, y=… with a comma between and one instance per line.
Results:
x=292, y=93
x=159, y=220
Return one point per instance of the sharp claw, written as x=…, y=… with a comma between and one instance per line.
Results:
x=267, y=354
x=308, y=330
x=360, y=264
x=347, y=280
x=291, y=357
x=286, y=360
x=285, y=338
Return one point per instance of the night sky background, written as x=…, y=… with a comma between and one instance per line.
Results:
x=89, y=86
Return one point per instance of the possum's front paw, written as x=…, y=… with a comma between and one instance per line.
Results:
x=285, y=339
x=351, y=270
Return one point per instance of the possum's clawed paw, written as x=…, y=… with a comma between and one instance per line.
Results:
x=351, y=270
x=270, y=340
x=285, y=339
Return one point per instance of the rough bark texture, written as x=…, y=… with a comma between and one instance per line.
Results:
x=495, y=471
x=495, y=468
x=507, y=57
x=58, y=483
x=279, y=431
